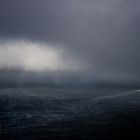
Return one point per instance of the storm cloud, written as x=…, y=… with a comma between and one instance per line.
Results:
x=103, y=36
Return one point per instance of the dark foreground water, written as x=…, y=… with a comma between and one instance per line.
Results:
x=66, y=113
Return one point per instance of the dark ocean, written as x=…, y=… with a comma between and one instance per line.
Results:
x=44, y=113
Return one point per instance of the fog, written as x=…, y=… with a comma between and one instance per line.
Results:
x=97, y=38
x=35, y=57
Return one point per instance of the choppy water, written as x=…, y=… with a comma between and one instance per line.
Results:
x=62, y=113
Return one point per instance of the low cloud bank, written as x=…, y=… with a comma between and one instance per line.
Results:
x=32, y=56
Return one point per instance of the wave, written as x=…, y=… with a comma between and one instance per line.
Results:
x=106, y=117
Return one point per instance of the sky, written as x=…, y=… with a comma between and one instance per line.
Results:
x=92, y=39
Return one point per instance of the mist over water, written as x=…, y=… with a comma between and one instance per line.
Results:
x=36, y=57
x=97, y=37
x=69, y=69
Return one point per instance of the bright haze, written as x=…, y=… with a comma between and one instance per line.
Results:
x=89, y=40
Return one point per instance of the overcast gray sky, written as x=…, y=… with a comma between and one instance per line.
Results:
x=100, y=38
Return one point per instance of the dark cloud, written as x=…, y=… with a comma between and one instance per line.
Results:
x=105, y=35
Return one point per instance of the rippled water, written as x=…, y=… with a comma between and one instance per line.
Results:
x=62, y=113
